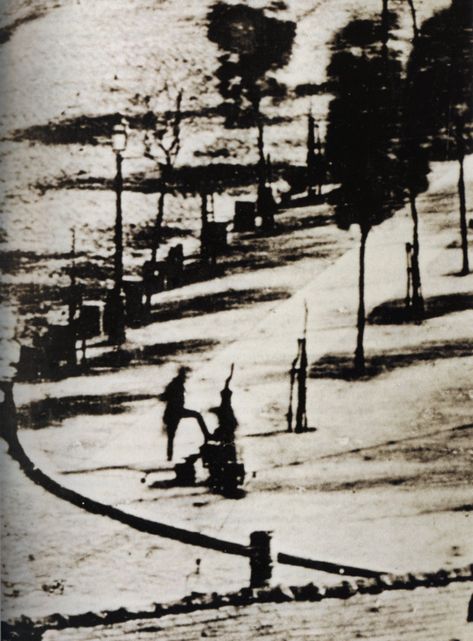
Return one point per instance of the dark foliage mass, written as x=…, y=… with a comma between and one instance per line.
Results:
x=414, y=151
x=440, y=104
x=364, y=130
x=253, y=44
x=363, y=125
x=440, y=73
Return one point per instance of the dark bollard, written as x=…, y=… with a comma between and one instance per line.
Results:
x=469, y=617
x=260, y=560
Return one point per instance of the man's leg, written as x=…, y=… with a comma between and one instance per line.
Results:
x=199, y=418
x=171, y=433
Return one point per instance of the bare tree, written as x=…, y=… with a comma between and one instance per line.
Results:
x=415, y=28
x=162, y=144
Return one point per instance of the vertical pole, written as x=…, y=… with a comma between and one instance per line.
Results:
x=320, y=160
x=292, y=380
x=361, y=320
x=261, y=171
x=301, y=413
x=310, y=154
x=118, y=226
x=459, y=131
x=261, y=564
x=73, y=306
x=415, y=28
x=72, y=295
x=463, y=226
x=158, y=225
x=204, y=217
x=408, y=273
x=116, y=311
x=417, y=299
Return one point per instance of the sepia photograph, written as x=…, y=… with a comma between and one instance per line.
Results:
x=236, y=320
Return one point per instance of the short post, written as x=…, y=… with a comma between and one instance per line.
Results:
x=260, y=559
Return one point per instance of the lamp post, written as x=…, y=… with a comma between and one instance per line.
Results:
x=117, y=311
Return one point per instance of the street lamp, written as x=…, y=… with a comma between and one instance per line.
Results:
x=117, y=311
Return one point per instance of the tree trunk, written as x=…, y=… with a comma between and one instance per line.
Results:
x=158, y=226
x=415, y=28
x=204, y=217
x=463, y=226
x=261, y=163
x=359, y=352
x=118, y=231
x=310, y=155
x=385, y=24
x=417, y=299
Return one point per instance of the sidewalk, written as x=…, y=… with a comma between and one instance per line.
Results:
x=355, y=491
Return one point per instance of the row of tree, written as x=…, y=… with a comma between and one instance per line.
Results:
x=386, y=124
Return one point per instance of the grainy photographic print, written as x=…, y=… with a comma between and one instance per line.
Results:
x=236, y=381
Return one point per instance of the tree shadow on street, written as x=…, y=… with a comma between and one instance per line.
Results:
x=266, y=252
x=340, y=366
x=394, y=312
x=53, y=411
x=212, y=303
x=149, y=354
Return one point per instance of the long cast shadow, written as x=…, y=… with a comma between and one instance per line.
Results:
x=341, y=365
x=212, y=303
x=394, y=312
x=53, y=411
x=149, y=354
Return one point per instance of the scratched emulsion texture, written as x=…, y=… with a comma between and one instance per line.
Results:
x=384, y=482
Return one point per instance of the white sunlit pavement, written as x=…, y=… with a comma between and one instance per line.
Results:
x=406, y=512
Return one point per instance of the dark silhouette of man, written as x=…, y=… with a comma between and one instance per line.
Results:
x=227, y=422
x=174, y=395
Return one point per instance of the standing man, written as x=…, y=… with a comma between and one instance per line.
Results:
x=175, y=411
x=227, y=422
